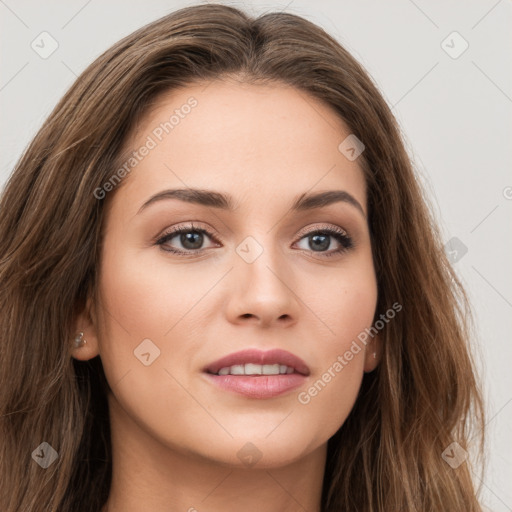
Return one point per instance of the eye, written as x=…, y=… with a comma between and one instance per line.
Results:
x=321, y=239
x=190, y=237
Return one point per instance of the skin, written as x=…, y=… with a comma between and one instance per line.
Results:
x=176, y=436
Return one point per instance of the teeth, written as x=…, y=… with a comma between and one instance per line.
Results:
x=269, y=369
x=256, y=369
x=237, y=369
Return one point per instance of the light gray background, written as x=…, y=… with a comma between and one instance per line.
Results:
x=455, y=114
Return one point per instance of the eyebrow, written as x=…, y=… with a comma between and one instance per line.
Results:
x=211, y=198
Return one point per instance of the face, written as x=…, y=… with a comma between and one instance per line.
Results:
x=259, y=274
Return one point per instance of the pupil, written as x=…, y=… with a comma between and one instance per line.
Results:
x=187, y=239
x=323, y=244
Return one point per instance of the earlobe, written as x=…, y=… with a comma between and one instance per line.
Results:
x=372, y=355
x=83, y=340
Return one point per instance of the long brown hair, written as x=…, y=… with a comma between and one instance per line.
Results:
x=388, y=455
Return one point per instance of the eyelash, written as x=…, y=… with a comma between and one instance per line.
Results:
x=339, y=234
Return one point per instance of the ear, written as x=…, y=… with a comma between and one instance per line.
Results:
x=85, y=322
x=373, y=353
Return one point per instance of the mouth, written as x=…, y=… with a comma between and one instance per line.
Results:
x=258, y=362
x=258, y=374
x=256, y=369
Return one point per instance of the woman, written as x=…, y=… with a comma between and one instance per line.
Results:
x=220, y=277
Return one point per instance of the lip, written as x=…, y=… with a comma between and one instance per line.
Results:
x=259, y=386
x=274, y=356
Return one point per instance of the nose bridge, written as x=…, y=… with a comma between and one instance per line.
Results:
x=263, y=278
x=259, y=258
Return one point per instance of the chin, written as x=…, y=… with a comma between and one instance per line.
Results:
x=263, y=452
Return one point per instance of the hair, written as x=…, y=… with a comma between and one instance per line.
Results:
x=423, y=396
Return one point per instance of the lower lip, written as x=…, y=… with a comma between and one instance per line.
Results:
x=258, y=386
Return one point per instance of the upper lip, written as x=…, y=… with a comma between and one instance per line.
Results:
x=274, y=356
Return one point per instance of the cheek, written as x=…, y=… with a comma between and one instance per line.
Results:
x=146, y=294
x=145, y=297
x=343, y=301
x=346, y=308
x=132, y=309
x=352, y=310
x=330, y=395
x=144, y=311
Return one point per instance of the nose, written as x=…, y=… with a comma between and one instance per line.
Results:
x=262, y=291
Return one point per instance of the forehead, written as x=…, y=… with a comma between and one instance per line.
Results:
x=254, y=141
